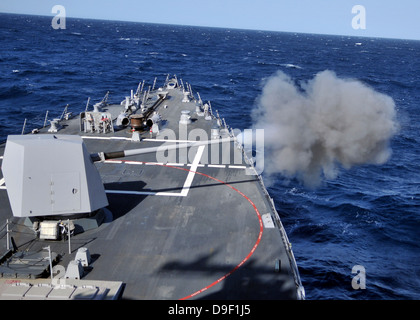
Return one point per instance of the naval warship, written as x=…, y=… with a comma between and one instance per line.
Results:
x=152, y=198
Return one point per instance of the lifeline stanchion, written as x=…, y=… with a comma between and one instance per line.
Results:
x=7, y=235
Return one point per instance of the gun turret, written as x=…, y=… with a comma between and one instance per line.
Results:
x=51, y=175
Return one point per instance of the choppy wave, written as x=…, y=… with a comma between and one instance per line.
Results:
x=291, y=65
x=14, y=91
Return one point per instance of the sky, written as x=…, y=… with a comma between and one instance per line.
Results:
x=371, y=18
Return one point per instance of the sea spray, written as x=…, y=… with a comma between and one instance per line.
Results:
x=313, y=129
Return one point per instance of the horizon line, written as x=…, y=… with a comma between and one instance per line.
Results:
x=217, y=27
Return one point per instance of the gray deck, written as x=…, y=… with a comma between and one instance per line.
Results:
x=186, y=229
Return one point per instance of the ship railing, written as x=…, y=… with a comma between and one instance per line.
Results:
x=40, y=121
x=8, y=228
x=288, y=245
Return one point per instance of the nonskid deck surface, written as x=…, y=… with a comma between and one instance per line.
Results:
x=192, y=224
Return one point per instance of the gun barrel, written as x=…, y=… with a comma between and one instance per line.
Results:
x=101, y=156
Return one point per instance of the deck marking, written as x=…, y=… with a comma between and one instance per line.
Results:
x=249, y=254
x=191, y=173
x=261, y=224
x=185, y=188
x=106, y=138
x=168, y=140
x=237, y=167
x=268, y=221
x=200, y=165
x=175, y=164
x=133, y=162
x=216, y=166
x=148, y=193
x=145, y=193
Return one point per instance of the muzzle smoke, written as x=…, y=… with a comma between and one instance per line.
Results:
x=313, y=129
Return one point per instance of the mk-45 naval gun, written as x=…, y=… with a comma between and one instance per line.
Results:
x=49, y=175
x=54, y=177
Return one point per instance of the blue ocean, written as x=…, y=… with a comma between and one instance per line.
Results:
x=368, y=215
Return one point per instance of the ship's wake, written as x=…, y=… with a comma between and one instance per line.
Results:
x=314, y=128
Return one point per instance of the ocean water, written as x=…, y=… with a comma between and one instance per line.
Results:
x=368, y=216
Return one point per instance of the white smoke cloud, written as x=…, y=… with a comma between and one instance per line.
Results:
x=313, y=129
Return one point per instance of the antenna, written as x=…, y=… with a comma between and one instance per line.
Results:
x=23, y=128
x=49, y=257
x=191, y=92
x=138, y=89
x=64, y=112
x=142, y=85
x=105, y=99
x=46, y=118
x=200, y=102
x=87, y=104
x=7, y=235
x=225, y=125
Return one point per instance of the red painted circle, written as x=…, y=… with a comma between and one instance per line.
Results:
x=253, y=248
